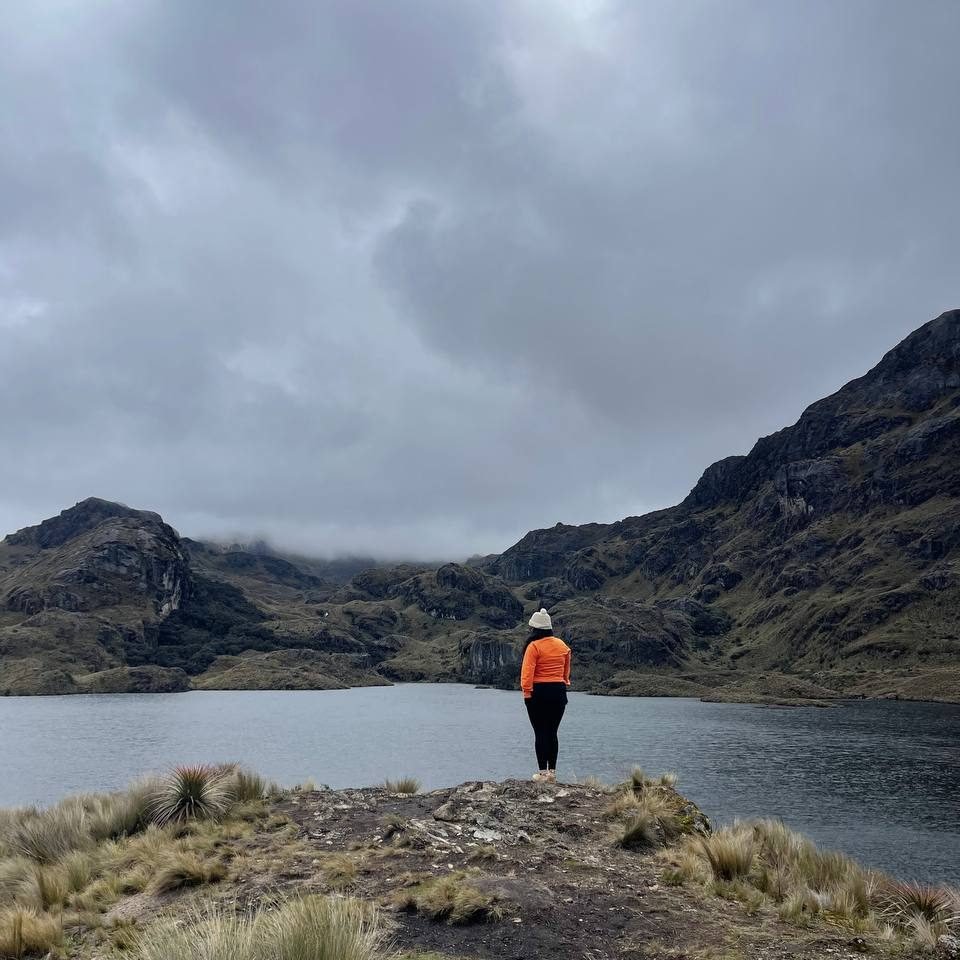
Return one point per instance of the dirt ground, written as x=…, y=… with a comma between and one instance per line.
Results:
x=544, y=854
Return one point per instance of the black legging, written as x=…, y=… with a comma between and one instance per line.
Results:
x=546, y=711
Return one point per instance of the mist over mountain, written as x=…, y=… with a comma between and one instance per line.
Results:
x=825, y=562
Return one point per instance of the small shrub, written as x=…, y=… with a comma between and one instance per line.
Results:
x=668, y=780
x=189, y=793
x=181, y=870
x=686, y=867
x=730, y=853
x=123, y=814
x=623, y=804
x=26, y=933
x=403, y=785
x=648, y=818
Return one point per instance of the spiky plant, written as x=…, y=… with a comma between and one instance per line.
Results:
x=903, y=900
x=190, y=793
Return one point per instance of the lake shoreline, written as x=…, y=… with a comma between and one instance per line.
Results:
x=718, y=696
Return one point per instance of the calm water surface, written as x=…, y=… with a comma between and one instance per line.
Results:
x=877, y=780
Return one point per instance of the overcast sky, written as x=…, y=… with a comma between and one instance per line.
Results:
x=414, y=277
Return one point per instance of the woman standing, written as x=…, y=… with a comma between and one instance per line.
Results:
x=544, y=678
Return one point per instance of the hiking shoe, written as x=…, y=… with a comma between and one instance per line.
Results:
x=540, y=776
x=550, y=776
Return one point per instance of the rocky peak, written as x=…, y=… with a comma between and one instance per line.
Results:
x=913, y=377
x=76, y=520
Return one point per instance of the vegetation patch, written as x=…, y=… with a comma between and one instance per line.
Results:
x=764, y=864
x=453, y=898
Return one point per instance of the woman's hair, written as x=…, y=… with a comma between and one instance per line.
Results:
x=537, y=634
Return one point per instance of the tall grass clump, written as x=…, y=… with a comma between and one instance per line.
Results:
x=27, y=933
x=245, y=786
x=48, y=835
x=646, y=811
x=403, y=785
x=805, y=883
x=312, y=928
x=730, y=853
x=190, y=793
x=180, y=869
x=319, y=928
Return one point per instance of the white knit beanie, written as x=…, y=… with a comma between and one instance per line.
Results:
x=541, y=620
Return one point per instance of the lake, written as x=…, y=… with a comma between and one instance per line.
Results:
x=878, y=780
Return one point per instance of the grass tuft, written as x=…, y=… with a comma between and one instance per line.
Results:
x=730, y=853
x=451, y=898
x=26, y=933
x=403, y=785
x=182, y=869
x=312, y=928
x=339, y=870
x=639, y=832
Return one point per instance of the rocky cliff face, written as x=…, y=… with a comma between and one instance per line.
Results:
x=826, y=559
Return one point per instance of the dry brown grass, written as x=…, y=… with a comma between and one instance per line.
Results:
x=407, y=785
x=451, y=898
x=766, y=863
x=339, y=870
x=27, y=933
x=312, y=928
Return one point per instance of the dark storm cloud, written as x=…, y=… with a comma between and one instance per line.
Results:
x=413, y=278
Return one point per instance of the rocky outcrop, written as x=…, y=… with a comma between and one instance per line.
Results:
x=133, y=560
x=459, y=593
x=491, y=658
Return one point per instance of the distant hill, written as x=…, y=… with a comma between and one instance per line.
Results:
x=825, y=562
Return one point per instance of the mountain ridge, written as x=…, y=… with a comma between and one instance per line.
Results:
x=824, y=562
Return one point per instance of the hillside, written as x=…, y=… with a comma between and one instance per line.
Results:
x=214, y=862
x=825, y=562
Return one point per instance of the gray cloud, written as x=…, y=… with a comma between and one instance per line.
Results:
x=415, y=278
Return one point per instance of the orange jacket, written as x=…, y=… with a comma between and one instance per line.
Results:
x=545, y=661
